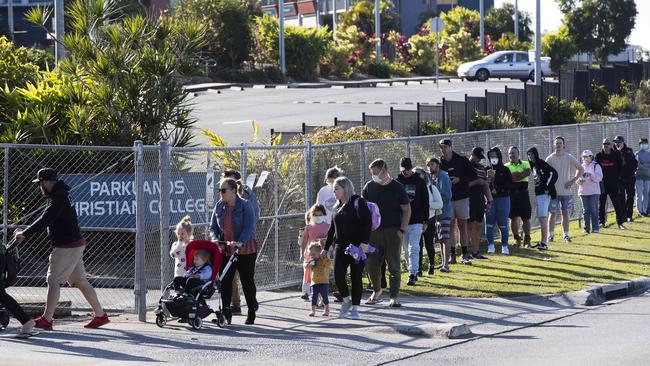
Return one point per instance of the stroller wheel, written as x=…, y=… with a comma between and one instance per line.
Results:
x=197, y=323
x=221, y=321
x=161, y=321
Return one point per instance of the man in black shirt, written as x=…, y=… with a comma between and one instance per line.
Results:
x=610, y=161
x=461, y=174
x=627, y=178
x=480, y=199
x=395, y=209
x=416, y=189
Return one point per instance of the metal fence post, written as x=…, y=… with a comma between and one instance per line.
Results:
x=444, y=117
x=408, y=146
x=627, y=131
x=362, y=164
x=140, y=281
x=308, y=174
x=5, y=201
x=467, y=122
x=487, y=140
x=276, y=203
x=392, y=120
x=579, y=154
x=521, y=140
x=244, y=161
x=418, y=120
x=165, y=215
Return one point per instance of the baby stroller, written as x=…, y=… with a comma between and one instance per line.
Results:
x=9, y=267
x=193, y=306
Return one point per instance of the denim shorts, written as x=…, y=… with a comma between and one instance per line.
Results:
x=565, y=202
x=543, y=201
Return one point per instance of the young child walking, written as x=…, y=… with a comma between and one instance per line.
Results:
x=197, y=275
x=316, y=229
x=320, y=277
x=177, y=251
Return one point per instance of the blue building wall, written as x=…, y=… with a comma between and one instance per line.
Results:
x=470, y=4
x=25, y=33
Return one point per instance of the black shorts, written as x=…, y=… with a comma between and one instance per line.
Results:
x=476, y=208
x=520, y=205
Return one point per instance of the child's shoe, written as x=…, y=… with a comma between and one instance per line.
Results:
x=327, y=311
x=312, y=312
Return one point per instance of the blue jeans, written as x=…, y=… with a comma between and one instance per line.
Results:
x=319, y=289
x=498, y=214
x=411, y=247
x=590, y=211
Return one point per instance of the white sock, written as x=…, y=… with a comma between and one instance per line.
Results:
x=347, y=299
x=566, y=233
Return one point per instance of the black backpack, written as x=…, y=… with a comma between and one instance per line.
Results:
x=9, y=265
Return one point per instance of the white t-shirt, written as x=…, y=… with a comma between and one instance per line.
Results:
x=566, y=166
x=178, y=253
x=326, y=198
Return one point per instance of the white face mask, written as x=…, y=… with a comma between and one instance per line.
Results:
x=319, y=219
x=644, y=146
x=376, y=179
x=494, y=161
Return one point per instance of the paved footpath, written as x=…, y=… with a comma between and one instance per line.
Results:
x=284, y=334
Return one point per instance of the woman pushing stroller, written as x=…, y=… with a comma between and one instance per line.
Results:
x=233, y=222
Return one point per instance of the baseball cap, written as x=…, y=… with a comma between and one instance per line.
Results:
x=619, y=138
x=587, y=153
x=406, y=163
x=478, y=152
x=606, y=141
x=45, y=174
x=445, y=142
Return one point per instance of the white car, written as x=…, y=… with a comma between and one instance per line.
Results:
x=504, y=64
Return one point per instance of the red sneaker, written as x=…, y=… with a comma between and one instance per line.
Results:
x=97, y=321
x=42, y=323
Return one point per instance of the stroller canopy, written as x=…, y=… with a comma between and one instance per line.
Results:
x=211, y=247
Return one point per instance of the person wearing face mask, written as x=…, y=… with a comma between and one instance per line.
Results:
x=610, y=161
x=416, y=190
x=643, y=179
x=442, y=181
x=395, y=209
x=500, y=180
x=627, y=181
x=325, y=195
x=589, y=191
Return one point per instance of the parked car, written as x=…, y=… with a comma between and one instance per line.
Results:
x=504, y=64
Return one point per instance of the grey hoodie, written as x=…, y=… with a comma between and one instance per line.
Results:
x=643, y=170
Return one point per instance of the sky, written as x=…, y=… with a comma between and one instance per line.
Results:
x=552, y=18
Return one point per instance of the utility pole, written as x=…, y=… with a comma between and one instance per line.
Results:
x=59, y=50
x=538, y=43
x=10, y=18
x=318, y=25
x=378, y=30
x=517, y=20
x=482, y=24
x=334, y=21
x=282, y=55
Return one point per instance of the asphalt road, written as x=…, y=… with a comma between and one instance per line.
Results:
x=231, y=112
x=618, y=334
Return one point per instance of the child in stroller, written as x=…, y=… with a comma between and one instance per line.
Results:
x=191, y=304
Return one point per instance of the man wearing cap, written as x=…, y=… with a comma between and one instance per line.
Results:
x=480, y=199
x=519, y=198
x=461, y=174
x=610, y=161
x=59, y=218
x=416, y=190
x=627, y=180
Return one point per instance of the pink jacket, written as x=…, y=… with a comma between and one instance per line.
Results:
x=590, y=186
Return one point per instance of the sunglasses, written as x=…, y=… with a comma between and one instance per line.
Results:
x=606, y=143
x=223, y=190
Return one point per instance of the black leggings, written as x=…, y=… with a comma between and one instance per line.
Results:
x=187, y=284
x=341, y=264
x=8, y=301
x=245, y=265
x=612, y=192
x=429, y=237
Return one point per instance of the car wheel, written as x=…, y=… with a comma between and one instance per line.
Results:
x=482, y=75
x=531, y=77
x=523, y=80
x=470, y=78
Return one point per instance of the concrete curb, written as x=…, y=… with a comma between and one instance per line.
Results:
x=443, y=331
x=599, y=294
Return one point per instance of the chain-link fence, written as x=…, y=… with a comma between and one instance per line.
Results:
x=129, y=199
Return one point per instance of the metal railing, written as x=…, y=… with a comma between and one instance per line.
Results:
x=128, y=216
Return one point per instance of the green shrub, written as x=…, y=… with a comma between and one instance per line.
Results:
x=304, y=47
x=459, y=48
x=598, y=98
x=508, y=42
x=642, y=99
x=422, y=52
x=563, y=112
x=331, y=135
x=513, y=119
x=16, y=66
x=581, y=112
x=399, y=68
x=381, y=70
x=481, y=122
x=337, y=56
x=618, y=103
x=435, y=128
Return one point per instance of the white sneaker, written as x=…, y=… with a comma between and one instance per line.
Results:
x=550, y=238
x=505, y=250
x=491, y=249
x=345, y=308
x=354, y=314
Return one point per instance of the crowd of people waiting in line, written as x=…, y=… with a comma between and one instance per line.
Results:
x=447, y=201
x=366, y=233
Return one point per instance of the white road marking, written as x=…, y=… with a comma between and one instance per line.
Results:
x=238, y=122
